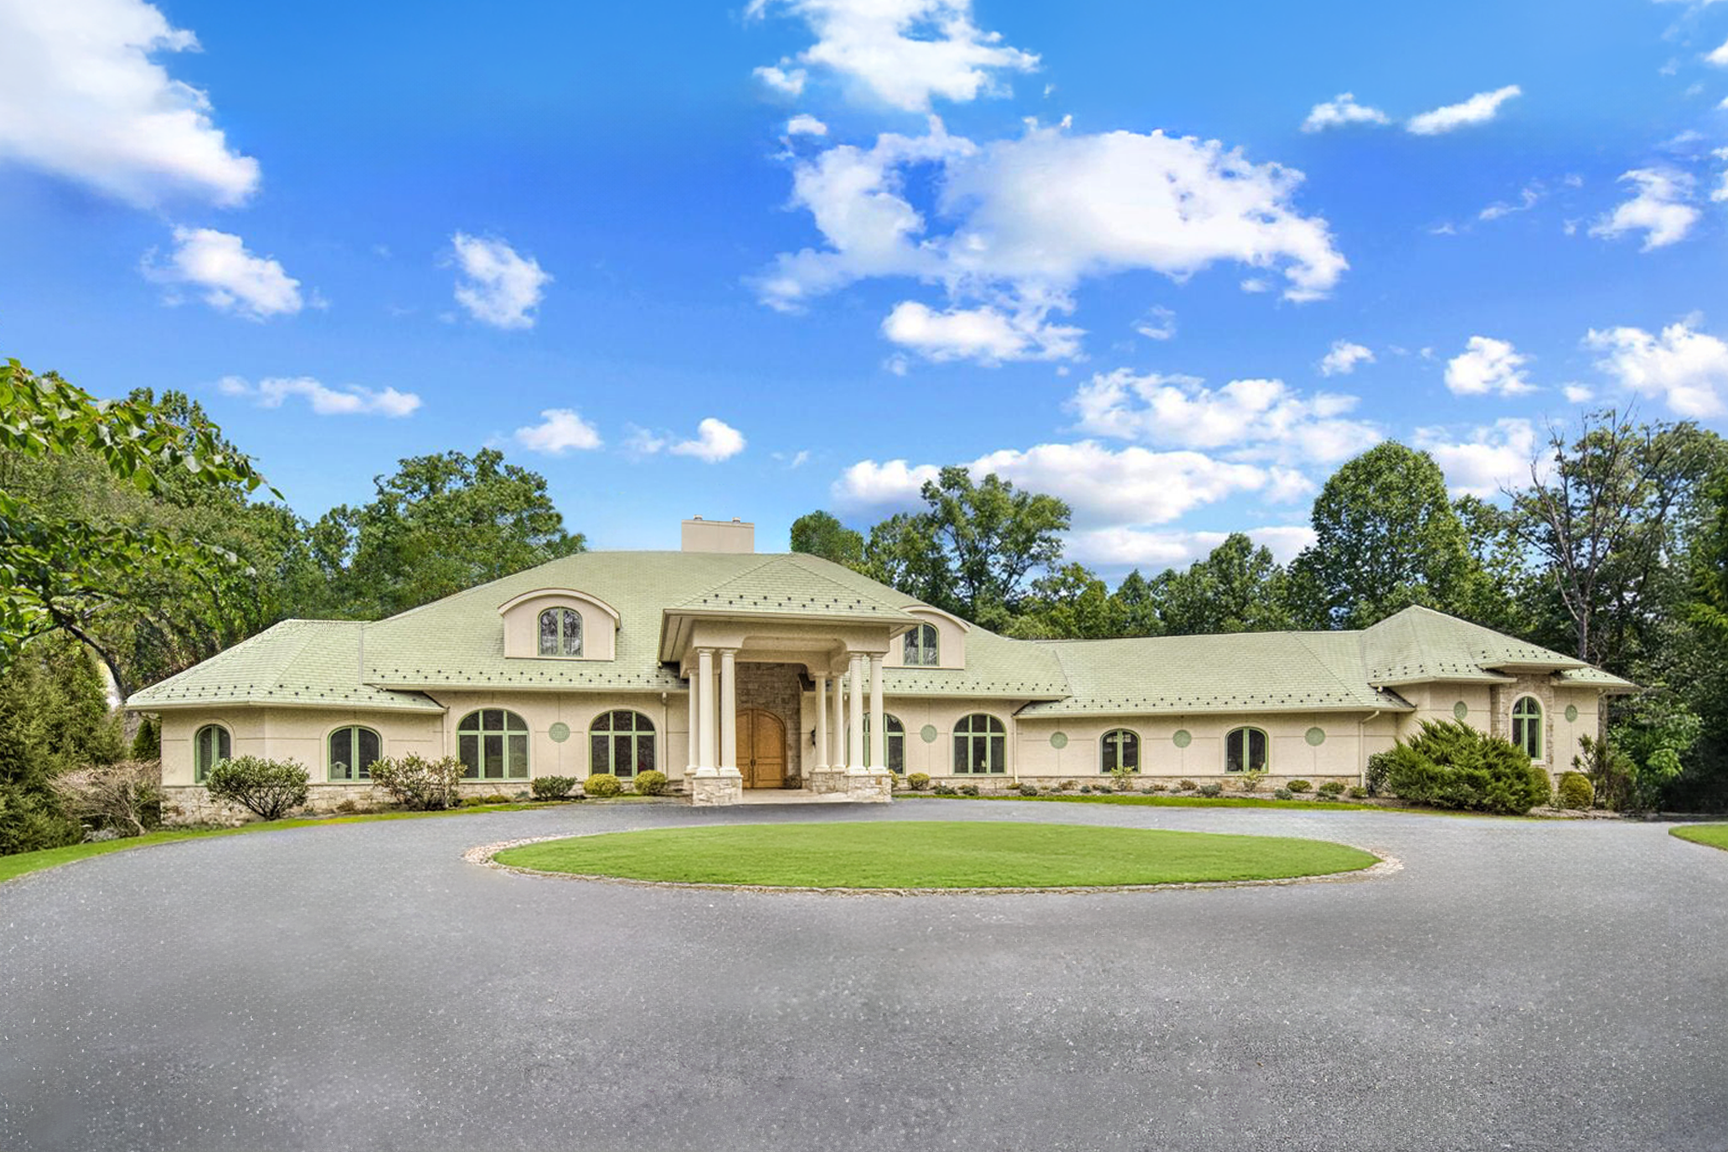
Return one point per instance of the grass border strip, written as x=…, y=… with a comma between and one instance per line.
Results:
x=485, y=855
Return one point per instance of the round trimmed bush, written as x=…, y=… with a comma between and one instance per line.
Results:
x=1210, y=791
x=1575, y=791
x=552, y=787
x=918, y=781
x=650, y=783
x=1358, y=793
x=602, y=785
x=1283, y=794
x=1332, y=789
x=1028, y=789
x=1299, y=786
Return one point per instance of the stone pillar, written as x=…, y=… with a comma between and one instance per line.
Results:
x=728, y=712
x=706, y=765
x=821, y=723
x=878, y=721
x=855, y=716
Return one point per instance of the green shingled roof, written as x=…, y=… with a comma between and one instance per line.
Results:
x=796, y=585
x=1420, y=644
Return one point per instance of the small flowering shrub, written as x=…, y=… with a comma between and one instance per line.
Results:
x=418, y=783
x=602, y=785
x=267, y=788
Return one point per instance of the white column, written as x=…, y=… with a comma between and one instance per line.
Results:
x=690, y=739
x=855, y=717
x=705, y=671
x=838, y=760
x=728, y=712
x=878, y=722
x=821, y=723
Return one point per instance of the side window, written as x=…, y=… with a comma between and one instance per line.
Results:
x=980, y=745
x=622, y=743
x=560, y=632
x=353, y=750
x=923, y=649
x=1245, y=750
x=210, y=747
x=1120, y=749
x=1527, y=725
x=493, y=745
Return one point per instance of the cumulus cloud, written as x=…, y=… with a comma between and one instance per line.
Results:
x=984, y=334
x=785, y=81
x=498, y=286
x=1719, y=56
x=1479, y=109
x=715, y=440
x=1484, y=461
x=1031, y=217
x=1340, y=111
x=348, y=400
x=1343, y=358
x=1154, y=549
x=1578, y=393
x=1662, y=209
x=1159, y=323
x=1684, y=367
x=902, y=53
x=804, y=124
x=1488, y=365
x=1254, y=419
x=230, y=278
x=560, y=430
x=82, y=97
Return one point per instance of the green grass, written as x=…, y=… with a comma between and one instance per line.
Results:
x=23, y=863
x=934, y=854
x=1715, y=835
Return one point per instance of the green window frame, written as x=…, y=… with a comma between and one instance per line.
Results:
x=210, y=747
x=1119, y=748
x=894, y=741
x=1247, y=750
x=980, y=746
x=923, y=647
x=560, y=632
x=621, y=742
x=492, y=744
x=353, y=749
x=1527, y=725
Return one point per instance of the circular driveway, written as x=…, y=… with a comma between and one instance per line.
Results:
x=1517, y=985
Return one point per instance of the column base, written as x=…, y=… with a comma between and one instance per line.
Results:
x=716, y=790
x=861, y=785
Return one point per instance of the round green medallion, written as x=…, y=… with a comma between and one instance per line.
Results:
x=1460, y=710
x=928, y=732
x=1058, y=739
x=1315, y=736
x=1182, y=739
x=1571, y=713
x=559, y=732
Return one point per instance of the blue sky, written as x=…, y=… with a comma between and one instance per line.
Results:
x=754, y=260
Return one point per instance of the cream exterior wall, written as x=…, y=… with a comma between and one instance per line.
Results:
x=522, y=626
x=950, y=641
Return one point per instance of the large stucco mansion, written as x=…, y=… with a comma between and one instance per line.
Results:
x=728, y=670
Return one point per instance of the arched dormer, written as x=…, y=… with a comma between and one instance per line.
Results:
x=914, y=648
x=567, y=624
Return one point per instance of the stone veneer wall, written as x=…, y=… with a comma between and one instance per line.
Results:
x=776, y=688
x=191, y=804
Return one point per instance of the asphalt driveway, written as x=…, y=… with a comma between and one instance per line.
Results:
x=1517, y=985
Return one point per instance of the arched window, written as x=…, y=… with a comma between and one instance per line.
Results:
x=1527, y=725
x=922, y=649
x=353, y=750
x=493, y=745
x=621, y=742
x=980, y=745
x=1245, y=750
x=894, y=740
x=560, y=632
x=209, y=748
x=1120, y=749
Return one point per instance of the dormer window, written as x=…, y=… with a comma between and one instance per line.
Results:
x=922, y=647
x=560, y=632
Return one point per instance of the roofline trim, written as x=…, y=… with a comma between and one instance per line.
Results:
x=573, y=593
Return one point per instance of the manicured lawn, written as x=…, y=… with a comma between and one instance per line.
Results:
x=934, y=854
x=1715, y=835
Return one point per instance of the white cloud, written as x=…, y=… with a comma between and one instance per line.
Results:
x=498, y=286
x=559, y=431
x=231, y=278
x=1528, y=197
x=715, y=441
x=983, y=334
x=1484, y=461
x=1661, y=210
x=1032, y=217
x=1159, y=323
x=1344, y=357
x=785, y=81
x=348, y=400
x=1687, y=368
x=902, y=53
x=1342, y=110
x=891, y=484
x=804, y=124
x=1488, y=365
x=1578, y=393
x=1156, y=550
x=1719, y=56
x=1719, y=194
x=1479, y=109
x=81, y=97
x=1256, y=419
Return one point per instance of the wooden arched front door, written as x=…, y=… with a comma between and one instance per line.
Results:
x=761, y=749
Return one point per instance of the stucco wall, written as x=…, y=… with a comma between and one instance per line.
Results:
x=950, y=642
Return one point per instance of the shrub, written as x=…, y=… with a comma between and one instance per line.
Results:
x=1332, y=789
x=1068, y=785
x=1452, y=765
x=602, y=785
x=1250, y=781
x=147, y=744
x=123, y=798
x=268, y=788
x=1357, y=792
x=895, y=781
x=1210, y=790
x=418, y=783
x=1575, y=791
x=1299, y=786
x=347, y=806
x=1283, y=794
x=552, y=787
x=1379, y=765
x=1122, y=778
x=1085, y=789
x=1028, y=789
x=1186, y=785
x=520, y=796
x=1154, y=787
x=968, y=789
x=918, y=781
x=30, y=821
x=650, y=783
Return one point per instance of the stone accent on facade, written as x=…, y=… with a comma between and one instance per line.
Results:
x=776, y=688
x=716, y=791
x=1505, y=697
x=191, y=804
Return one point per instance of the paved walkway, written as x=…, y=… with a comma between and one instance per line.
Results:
x=1517, y=985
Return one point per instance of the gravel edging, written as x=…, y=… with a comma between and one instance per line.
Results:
x=484, y=855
